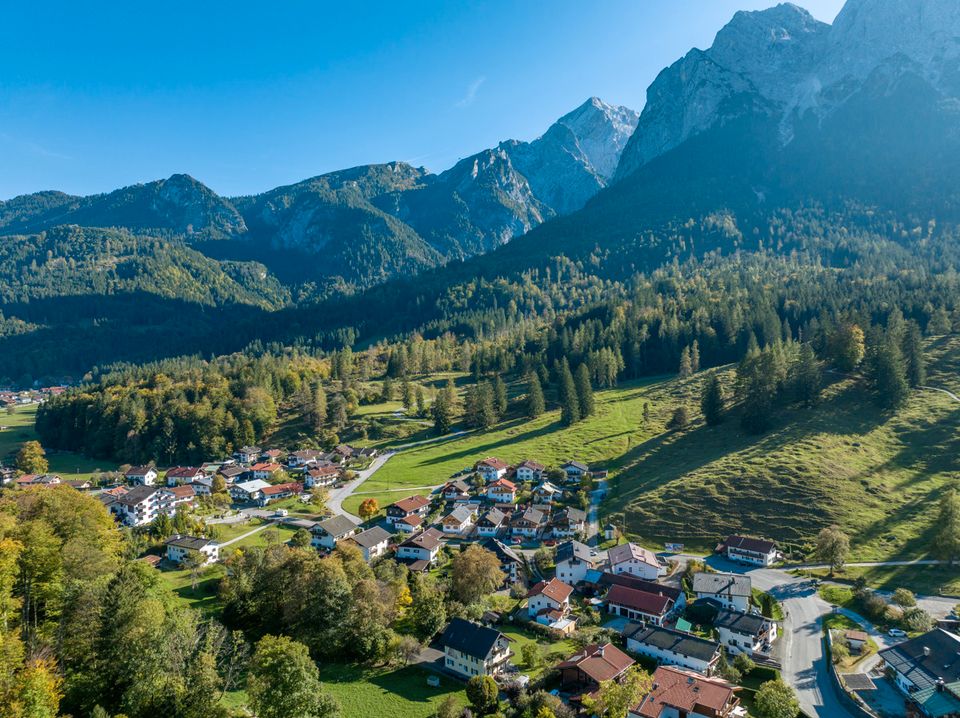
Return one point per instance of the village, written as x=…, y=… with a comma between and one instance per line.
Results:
x=697, y=629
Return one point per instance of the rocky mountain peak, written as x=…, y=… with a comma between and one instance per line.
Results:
x=602, y=131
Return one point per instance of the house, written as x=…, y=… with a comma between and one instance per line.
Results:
x=491, y=523
x=470, y=649
x=502, y=491
x=569, y=522
x=727, y=589
x=455, y=489
x=321, y=476
x=410, y=506
x=202, y=487
x=345, y=451
x=549, y=601
x=247, y=454
x=639, y=605
x=458, y=521
x=547, y=493
x=280, y=491
x=304, y=457
x=170, y=498
x=926, y=669
x=137, y=507
x=529, y=523
x=510, y=562
x=634, y=560
x=491, y=468
x=265, y=470
x=183, y=475
x=232, y=473
x=675, y=692
x=674, y=593
x=408, y=524
x=753, y=551
x=573, y=560
x=247, y=491
x=273, y=455
x=425, y=546
x=36, y=480
x=744, y=632
x=609, y=531
x=79, y=485
x=181, y=549
x=143, y=475
x=530, y=471
x=597, y=663
x=328, y=532
x=372, y=543
x=210, y=468
x=673, y=648
x=574, y=470
x=856, y=640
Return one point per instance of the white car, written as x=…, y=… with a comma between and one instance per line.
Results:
x=281, y=512
x=897, y=633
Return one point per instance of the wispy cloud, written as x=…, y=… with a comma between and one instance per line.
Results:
x=31, y=148
x=472, y=89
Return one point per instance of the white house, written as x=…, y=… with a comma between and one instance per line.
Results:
x=372, y=543
x=143, y=475
x=491, y=523
x=248, y=490
x=634, y=560
x=753, y=551
x=470, y=649
x=747, y=633
x=247, y=454
x=265, y=470
x=492, y=468
x=137, y=507
x=547, y=493
x=410, y=506
x=182, y=548
x=926, y=667
x=673, y=648
x=548, y=601
x=328, y=532
x=530, y=471
x=574, y=560
x=183, y=475
x=574, y=469
x=458, y=521
x=639, y=605
x=321, y=476
x=425, y=546
x=529, y=523
x=502, y=491
x=569, y=522
x=170, y=498
x=510, y=561
x=729, y=590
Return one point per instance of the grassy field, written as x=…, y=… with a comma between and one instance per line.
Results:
x=878, y=475
x=925, y=580
x=19, y=427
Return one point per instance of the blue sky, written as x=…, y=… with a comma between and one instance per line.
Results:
x=246, y=96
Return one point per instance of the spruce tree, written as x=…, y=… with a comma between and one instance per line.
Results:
x=686, y=368
x=695, y=356
x=569, y=402
x=807, y=378
x=499, y=396
x=711, y=401
x=913, y=354
x=535, y=403
x=442, y=414
x=584, y=391
x=319, y=407
x=889, y=375
x=386, y=392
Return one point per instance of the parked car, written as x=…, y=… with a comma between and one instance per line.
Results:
x=281, y=512
x=897, y=633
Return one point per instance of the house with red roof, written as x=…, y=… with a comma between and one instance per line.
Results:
x=183, y=475
x=280, y=491
x=582, y=673
x=675, y=692
x=492, y=468
x=635, y=560
x=639, y=605
x=502, y=491
x=548, y=603
x=410, y=506
x=265, y=470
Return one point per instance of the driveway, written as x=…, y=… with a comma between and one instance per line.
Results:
x=336, y=496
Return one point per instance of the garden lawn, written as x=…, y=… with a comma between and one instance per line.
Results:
x=551, y=652
x=387, y=692
x=922, y=580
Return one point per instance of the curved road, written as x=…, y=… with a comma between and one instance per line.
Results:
x=336, y=496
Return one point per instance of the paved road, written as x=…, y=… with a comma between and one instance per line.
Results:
x=336, y=496
x=593, y=523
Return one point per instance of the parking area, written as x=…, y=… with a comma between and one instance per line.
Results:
x=885, y=700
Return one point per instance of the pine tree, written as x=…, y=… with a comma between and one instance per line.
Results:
x=535, y=402
x=913, y=354
x=889, y=375
x=319, y=407
x=421, y=402
x=442, y=414
x=686, y=367
x=584, y=392
x=695, y=356
x=569, y=401
x=807, y=378
x=946, y=541
x=386, y=392
x=711, y=401
x=499, y=396
x=406, y=394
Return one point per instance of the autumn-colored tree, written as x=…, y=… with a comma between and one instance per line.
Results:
x=368, y=509
x=31, y=459
x=475, y=573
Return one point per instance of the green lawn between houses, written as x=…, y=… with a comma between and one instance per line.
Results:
x=922, y=580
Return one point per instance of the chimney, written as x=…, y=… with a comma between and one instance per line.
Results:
x=940, y=685
x=926, y=651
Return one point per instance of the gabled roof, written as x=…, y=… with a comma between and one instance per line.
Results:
x=554, y=589
x=748, y=543
x=630, y=551
x=532, y=465
x=411, y=503
x=572, y=515
x=470, y=638
x=293, y=487
x=429, y=540
x=140, y=470
x=685, y=692
x=183, y=472
x=926, y=658
x=461, y=515
x=337, y=526
x=179, y=492
x=653, y=604
x=193, y=543
x=639, y=584
x=746, y=624
x=534, y=516
x=494, y=463
x=494, y=517
x=371, y=537
x=722, y=584
x=504, y=484
x=265, y=466
x=459, y=484
x=411, y=520
x=685, y=644
x=600, y=662
x=575, y=465
x=548, y=488
x=137, y=494
x=574, y=549
x=502, y=551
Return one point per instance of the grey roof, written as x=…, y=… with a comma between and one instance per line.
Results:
x=534, y=516
x=577, y=465
x=573, y=514
x=137, y=494
x=503, y=552
x=746, y=624
x=461, y=514
x=722, y=584
x=685, y=644
x=190, y=542
x=371, y=537
x=574, y=549
x=429, y=540
x=923, y=670
x=494, y=516
x=337, y=526
x=470, y=638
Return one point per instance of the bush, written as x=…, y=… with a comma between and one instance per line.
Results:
x=916, y=620
x=904, y=598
